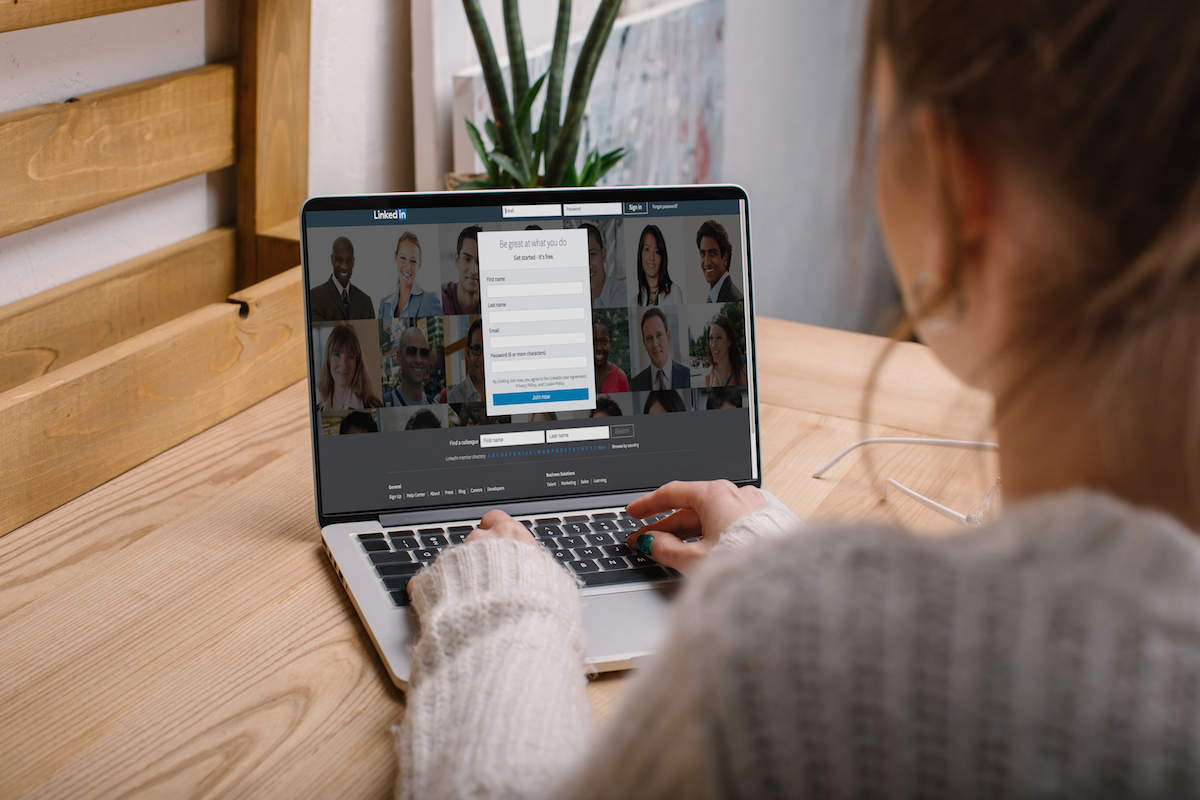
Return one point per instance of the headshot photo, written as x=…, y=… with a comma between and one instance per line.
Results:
x=345, y=423
x=612, y=405
x=409, y=298
x=464, y=360
x=655, y=256
x=610, y=342
x=713, y=259
x=347, y=362
x=413, y=371
x=658, y=350
x=717, y=345
x=721, y=398
x=339, y=298
x=414, y=418
x=606, y=262
x=460, y=272
x=662, y=401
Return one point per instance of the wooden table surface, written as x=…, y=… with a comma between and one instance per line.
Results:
x=178, y=631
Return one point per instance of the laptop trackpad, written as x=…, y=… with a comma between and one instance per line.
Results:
x=624, y=627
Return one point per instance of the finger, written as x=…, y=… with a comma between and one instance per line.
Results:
x=670, y=551
x=676, y=494
x=684, y=523
x=493, y=518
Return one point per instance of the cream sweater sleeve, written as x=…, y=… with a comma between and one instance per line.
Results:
x=496, y=703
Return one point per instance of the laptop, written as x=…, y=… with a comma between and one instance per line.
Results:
x=551, y=353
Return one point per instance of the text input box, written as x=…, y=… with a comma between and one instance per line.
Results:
x=535, y=315
x=592, y=209
x=578, y=434
x=535, y=289
x=522, y=212
x=514, y=439
x=539, y=364
x=537, y=340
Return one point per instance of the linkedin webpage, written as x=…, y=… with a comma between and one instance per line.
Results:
x=479, y=355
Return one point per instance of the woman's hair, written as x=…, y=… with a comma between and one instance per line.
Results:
x=358, y=419
x=721, y=395
x=669, y=399
x=409, y=236
x=422, y=420
x=735, y=349
x=344, y=338
x=1099, y=100
x=600, y=318
x=664, y=277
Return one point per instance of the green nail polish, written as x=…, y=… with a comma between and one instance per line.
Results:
x=645, y=542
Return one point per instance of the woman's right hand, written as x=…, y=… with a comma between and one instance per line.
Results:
x=705, y=509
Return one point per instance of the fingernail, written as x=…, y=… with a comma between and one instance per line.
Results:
x=645, y=542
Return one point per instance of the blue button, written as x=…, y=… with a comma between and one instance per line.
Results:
x=556, y=396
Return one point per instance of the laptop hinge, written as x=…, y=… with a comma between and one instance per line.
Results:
x=522, y=508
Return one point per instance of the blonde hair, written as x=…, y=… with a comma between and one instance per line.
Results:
x=345, y=338
x=409, y=236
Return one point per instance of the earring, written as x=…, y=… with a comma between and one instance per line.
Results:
x=942, y=323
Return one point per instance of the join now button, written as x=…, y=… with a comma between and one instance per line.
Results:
x=555, y=396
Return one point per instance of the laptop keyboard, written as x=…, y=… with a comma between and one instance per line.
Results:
x=592, y=546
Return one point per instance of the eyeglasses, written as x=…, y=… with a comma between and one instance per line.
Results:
x=975, y=518
x=476, y=349
x=412, y=350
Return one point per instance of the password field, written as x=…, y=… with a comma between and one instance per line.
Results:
x=537, y=364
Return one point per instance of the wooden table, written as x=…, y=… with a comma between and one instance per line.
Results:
x=179, y=632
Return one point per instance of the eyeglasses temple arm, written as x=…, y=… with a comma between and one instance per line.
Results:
x=961, y=519
x=960, y=444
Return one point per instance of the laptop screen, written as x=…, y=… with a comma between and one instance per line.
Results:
x=481, y=348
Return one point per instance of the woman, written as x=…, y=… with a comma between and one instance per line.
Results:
x=1037, y=178
x=663, y=401
x=408, y=299
x=654, y=281
x=610, y=379
x=727, y=368
x=344, y=385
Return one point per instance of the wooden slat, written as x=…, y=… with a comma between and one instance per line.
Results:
x=62, y=325
x=67, y=432
x=32, y=13
x=63, y=158
x=278, y=248
x=272, y=122
x=824, y=371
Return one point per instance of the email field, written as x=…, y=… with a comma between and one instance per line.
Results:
x=537, y=340
x=535, y=289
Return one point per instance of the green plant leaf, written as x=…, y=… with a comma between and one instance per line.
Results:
x=493, y=134
x=539, y=148
x=507, y=138
x=527, y=103
x=467, y=186
x=512, y=168
x=477, y=141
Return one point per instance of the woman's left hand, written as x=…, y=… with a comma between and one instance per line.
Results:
x=498, y=525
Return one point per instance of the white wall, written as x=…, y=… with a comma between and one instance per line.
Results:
x=791, y=82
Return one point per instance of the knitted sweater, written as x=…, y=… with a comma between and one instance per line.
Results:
x=1052, y=653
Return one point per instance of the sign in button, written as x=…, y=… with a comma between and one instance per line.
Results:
x=555, y=396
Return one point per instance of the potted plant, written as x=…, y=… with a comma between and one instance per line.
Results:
x=518, y=152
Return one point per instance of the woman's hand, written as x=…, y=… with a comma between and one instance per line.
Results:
x=706, y=509
x=498, y=525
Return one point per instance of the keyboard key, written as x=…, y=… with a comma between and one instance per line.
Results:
x=389, y=570
x=458, y=536
x=618, y=550
x=599, y=539
x=562, y=555
x=461, y=529
x=549, y=521
x=631, y=524
x=604, y=516
x=605, y=525
x=571, y=541
x=576, y=528
x=434, y=541
x=431, y=531
x=639, y=560
x=613, y=563
x=584, y=566
x=375, y=545
x=528, y=523
x=588, y=552
x=407, y=542
x=544, y=531
x=577, y=518
x=399, y=557
x=425, y=555
x=362, y=537
x=398, y=582
x=623, y=576
x=401, y=598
